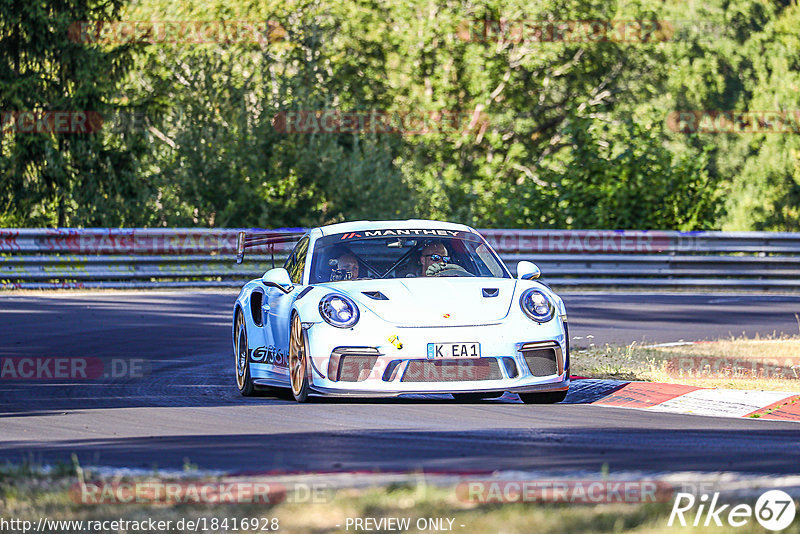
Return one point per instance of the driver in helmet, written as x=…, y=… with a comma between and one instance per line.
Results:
x=435, y=260
x=344, y=266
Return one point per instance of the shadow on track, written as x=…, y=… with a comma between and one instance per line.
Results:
x=553, y=450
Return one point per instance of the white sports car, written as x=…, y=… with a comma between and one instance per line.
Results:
x=386, y=308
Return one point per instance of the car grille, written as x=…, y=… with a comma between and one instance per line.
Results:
x=465, y=370
x=541, y=361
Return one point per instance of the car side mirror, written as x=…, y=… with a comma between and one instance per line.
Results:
x=527, y=270
x=278, y=277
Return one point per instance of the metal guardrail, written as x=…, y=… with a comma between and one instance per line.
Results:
x=130, y=258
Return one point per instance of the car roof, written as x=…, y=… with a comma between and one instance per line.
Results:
x=356, y=226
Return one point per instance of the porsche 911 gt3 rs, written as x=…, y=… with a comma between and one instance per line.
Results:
x=389, y=308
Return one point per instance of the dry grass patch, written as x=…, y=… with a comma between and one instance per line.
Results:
x=737, y=363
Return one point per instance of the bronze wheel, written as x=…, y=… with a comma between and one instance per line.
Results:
x=298, y=360
x=243, y=380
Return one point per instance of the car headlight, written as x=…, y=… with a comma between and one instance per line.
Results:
x=537, y=305
x=338, y=310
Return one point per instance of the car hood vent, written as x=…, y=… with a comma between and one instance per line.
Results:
x=491, y=291
x=375, y=295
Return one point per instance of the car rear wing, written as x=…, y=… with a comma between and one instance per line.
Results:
x=263, y=238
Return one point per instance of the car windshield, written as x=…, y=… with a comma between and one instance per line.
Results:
x=408, y=253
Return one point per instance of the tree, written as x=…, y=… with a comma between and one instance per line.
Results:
x=59, y=177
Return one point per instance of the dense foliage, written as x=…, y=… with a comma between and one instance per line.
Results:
x=569, y=132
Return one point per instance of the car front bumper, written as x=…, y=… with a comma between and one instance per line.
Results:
x=355, y=389
x=386, y=368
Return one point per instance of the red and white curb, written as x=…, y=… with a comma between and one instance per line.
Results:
x=677, y=398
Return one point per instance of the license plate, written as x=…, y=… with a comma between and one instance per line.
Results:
x=453, y=350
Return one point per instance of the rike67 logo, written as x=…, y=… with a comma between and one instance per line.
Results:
x=774, y=510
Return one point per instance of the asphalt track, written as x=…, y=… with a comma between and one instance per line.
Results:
x=187, y=408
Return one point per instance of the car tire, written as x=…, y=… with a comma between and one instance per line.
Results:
x=298, y=360
x=244, y=382
x=475, y=397
x=550, y=397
